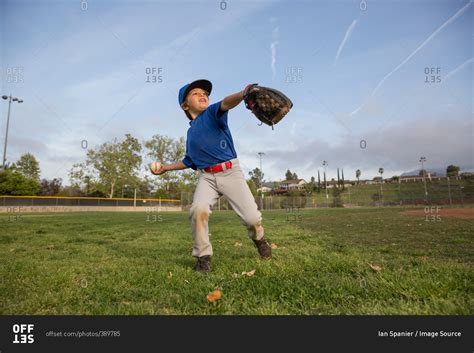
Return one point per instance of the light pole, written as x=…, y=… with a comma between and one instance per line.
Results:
x=423, y=160
x=325, y=163
x=10, y=99
x=261, y=170
x=381, y=182
x=261, y=154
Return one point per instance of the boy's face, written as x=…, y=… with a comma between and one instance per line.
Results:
x=197, y=100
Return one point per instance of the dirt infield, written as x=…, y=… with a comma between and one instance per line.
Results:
x=467, y=213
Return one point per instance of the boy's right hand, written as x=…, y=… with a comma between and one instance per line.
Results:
x=158, y=171
x=162, y=170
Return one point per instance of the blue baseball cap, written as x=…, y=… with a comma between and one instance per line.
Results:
x=183, y=92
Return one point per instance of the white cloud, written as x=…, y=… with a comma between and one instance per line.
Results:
x=457, y=69
x=348, y=34
x=427, y=40
x=396, y=147
x=273, y=45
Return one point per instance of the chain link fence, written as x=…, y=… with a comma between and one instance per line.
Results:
x=440, y=192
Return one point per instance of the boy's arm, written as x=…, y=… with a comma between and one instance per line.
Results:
x=233, y=100
x=168, y=167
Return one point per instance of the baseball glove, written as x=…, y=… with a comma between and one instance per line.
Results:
x=267, y=104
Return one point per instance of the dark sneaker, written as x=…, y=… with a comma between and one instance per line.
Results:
x=264, y=248
x=203, y=264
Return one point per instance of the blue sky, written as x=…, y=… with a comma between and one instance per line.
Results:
x=353, y=75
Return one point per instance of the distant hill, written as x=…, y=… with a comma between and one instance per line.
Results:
x=438, y=171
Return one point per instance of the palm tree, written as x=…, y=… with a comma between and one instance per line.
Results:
x=358, y=173
x=381, y=172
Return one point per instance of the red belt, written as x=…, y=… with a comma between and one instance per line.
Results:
x=218, y=167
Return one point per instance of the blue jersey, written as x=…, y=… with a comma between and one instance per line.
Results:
x=209, y=140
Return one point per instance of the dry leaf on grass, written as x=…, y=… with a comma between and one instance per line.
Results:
x=238, y=244
x=274, y=246
x=170, y=275
x=250, y=273
x=376, y=268
x=214, y=295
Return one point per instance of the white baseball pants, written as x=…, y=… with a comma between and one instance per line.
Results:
x=232, y=184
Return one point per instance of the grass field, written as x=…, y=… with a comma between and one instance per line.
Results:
x=126, y=263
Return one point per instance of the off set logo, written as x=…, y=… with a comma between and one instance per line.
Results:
x=23, y=333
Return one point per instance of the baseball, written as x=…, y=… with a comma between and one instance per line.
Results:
x=155, y=167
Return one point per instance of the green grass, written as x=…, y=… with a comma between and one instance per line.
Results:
x=118, y=263
x=404, y=193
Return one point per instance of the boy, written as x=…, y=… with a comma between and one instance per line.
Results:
x=210, y=149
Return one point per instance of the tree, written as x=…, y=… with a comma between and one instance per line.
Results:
x=160, y=147
x=168, y=150
x=310, y=187
x=50, y=187
x=319, y=181
x=336, y=194
x=257, y=176
x=288, y=175
x=252, y=187
x=294, y=176
x=452, y=170
x=28, y=166
x=71, y=190
x=110, y=167
x=15, y=183
x=358, y=173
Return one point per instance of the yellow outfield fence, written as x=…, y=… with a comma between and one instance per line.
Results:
x=12, y=201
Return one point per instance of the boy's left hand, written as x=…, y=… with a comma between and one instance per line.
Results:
x=246, y=89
